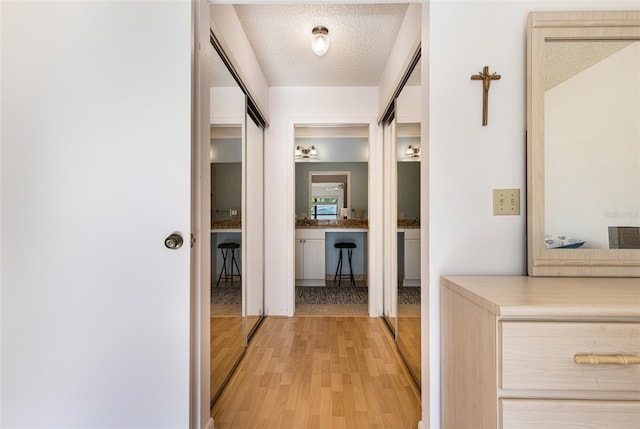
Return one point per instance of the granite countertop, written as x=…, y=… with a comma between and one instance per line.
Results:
x=227, y=224
x=329, y=224
x=409, y=223
x=351, y=223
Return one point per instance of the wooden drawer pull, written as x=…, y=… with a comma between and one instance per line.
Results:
x=591, y=359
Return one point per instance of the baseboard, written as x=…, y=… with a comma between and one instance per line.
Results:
x=210, y=424
x=356, y=277
x=310, y=282
x=277, y=312
x=420, y=425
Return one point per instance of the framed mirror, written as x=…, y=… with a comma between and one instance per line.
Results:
x=583, y=144
x=329, y=194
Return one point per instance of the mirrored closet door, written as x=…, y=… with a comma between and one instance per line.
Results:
x=237, y=218
x=402, y=231
x=408, y=154
x=227, y=262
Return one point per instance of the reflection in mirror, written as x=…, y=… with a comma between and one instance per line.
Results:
x=227, y=130
x=329, y=194
x=407, y=186
x=592, y=143
x=583, y=144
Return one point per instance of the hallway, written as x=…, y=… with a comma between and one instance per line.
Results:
x=320, y=372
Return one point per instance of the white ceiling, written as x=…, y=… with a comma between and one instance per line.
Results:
x=361, y=38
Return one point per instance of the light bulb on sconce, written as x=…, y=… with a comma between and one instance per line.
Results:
x=320, y=40
x=306, y=153
x=412, y=152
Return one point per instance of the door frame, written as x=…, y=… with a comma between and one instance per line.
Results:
x=200, y=221
x=374, y=234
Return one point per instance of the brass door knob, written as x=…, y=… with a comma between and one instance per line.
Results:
x=174, y=241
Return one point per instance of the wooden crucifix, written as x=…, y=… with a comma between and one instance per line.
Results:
x=486, y=78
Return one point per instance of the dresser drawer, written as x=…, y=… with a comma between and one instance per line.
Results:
x=540, y=356
x=558, y=414
x=309, y=234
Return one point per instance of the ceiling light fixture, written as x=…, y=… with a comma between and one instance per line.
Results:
x=304, y=153
x=320, y=40
x=412, y=152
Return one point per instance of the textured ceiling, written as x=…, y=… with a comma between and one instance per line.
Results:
x=361, y=38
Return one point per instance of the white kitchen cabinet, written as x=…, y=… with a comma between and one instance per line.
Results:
x=540, y=352
x=310, y=257
x=411, y=257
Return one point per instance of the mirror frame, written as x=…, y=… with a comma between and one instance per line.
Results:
x=566, y=262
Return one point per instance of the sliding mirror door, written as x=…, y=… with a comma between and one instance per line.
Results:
x=401, y=237
x=253, y=217
x=407, y=186
x=227, y=140
x=390, y=290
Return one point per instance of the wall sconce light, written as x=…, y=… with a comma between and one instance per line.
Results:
x=304, y=153
x=320, y=40
x=412, y=152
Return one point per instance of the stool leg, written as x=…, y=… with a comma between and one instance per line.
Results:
x=353, y=282
x=224, y=267
x=339, y=267
x=234, y=261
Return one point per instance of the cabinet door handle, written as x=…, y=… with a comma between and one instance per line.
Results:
x=594, y=359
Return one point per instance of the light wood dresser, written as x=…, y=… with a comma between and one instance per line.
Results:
x=533, y=352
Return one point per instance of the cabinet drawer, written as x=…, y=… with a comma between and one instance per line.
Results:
x=540, y=356
x=310, y=234
x=558, y=414
x=412, y=234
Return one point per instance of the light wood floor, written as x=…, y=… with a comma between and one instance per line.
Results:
x=320, y=372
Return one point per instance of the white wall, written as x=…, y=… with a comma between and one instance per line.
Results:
x=466, y=160
x=289, y=105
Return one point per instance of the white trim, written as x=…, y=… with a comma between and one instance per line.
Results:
x=210, y=424
x=200, y=182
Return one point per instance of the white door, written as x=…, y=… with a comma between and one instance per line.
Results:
x=95, y=174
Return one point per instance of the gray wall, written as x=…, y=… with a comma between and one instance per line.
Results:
x=228, y=186
x=359, y=182
x=409, y=189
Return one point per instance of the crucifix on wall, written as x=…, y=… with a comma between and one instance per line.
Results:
x=486, y=79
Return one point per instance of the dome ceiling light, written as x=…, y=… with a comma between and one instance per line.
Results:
x=320, y=40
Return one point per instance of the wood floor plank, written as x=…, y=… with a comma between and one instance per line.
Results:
x=319, y=372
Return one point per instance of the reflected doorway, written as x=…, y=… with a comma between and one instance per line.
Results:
x=331, y=224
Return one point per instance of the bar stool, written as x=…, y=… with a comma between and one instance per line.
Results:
x=349, y=247
x=225, y=248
